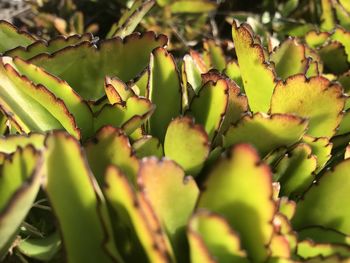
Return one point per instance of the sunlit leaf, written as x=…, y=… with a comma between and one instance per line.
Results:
x=11, y=37
x=187, y=143
x=258, y=77
x=192, y=6
x=19, y=184
x=179, y=191
x=266, y=132
x=303, y=97
x=323, y=204
x=74, y=194
x=111, y=146
x=164, y=90
x=210, y=226
x=85, y=66
x=245, y=194
x=51, y=46
x=148, y=146
x=209, y=106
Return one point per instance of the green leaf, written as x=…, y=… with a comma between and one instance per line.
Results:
x=179, y=191
x=303, y=97
x=285, y=237
x=323, y=235
x=266, y=132
x=19, y=184
x=192, y=73
x=334, y=57
x=11, y=37
x=295, y=170
x=323, y=204
x=85, y=66
x=187, y=144
x=289, y=58
x=214, y=55
x=51, y=46
x=286, y=207
x=316, y=39
x=307, y=249
x=9, y=144
x=74, y=103
x=43, y=249
x=237, y=102
x=111, y=146
x=199, y=252
x=209, y=106
x=192, y=6
x=321, y=148
x=208, y=227
x=258, y=77
x=129, y=117
x=148, y=146
x=74, y=194
x=32, y=107
x=164, y=90
x=130, y=19
x=117, y=91
x=342, y=36
x=233, y=71
x=327, y=18
x=240, y=189
x=131, y=213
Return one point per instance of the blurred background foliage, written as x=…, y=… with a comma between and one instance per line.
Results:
x=186, y=22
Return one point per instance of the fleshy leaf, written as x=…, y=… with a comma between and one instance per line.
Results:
x=85, y=66
x=187, y=144
x=32, y=107
x=266, y=132
x=179, y=191
x=245, y=194
x=307, y=249
x=11, y=37
x=111, y=146
x=316, y=39
x=303, y=97
x=74, y=194
x=289, y=58
x=327, y=18
x=334, y=57
x=129, y=117
x=237, y=102
x=294, y=170
x=321, y=147
x=10, y=143
x=148, y=146
x=43, y=249
x=222, y=243
x=192, y=73
x=286, y=207
x=323, y=204
x=233, y=71
x=209, y=106
x=130, y=212
x=164, y=90
x=19, y=184
x=214, y=55
x=323, y=235
x=130, y=19
x=74, y=103
x=192, y=6
x=117, y=91
x=51, y=46
x=258, y=77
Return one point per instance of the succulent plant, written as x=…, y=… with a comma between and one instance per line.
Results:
x=115, y=151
